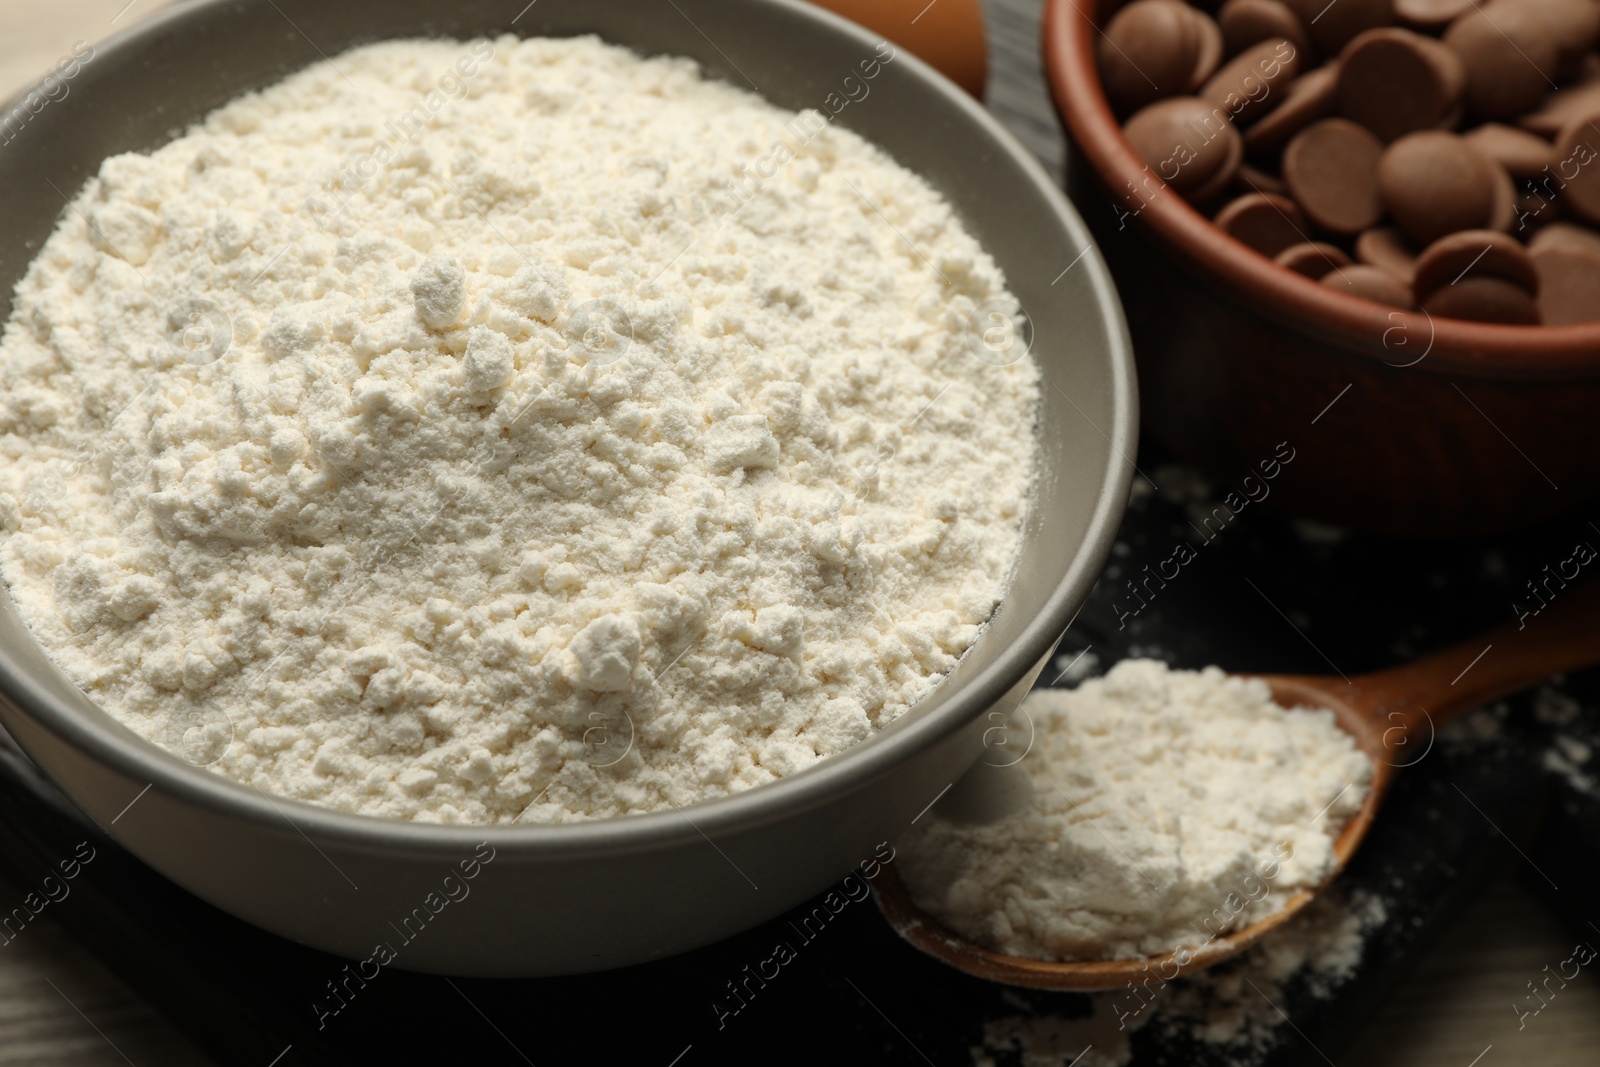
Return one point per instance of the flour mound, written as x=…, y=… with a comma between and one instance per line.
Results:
x=427, y=436
x=1168, y=808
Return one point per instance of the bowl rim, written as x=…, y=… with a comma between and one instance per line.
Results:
x=1363, y=327
x=107, y=742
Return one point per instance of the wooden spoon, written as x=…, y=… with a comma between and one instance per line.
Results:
x=1392, y=715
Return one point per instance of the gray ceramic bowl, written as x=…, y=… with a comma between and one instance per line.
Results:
x=566, y=899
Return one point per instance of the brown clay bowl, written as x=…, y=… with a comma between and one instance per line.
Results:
x=1441, y=426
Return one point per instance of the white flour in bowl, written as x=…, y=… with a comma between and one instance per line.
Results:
x=1168, y=808
x=433, y=435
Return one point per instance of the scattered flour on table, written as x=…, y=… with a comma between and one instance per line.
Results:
x=1094, y=1040
x=1477, y=728
x=481, y=468
x=1167, y=807
x=1232, y=1007
x=1237, y=1003
x=1569, y=756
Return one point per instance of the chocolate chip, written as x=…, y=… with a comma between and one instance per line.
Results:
x=1536, y=208
x=1388, y=249
x=1503, y=205
x=1578, y=166
x=1569, y=284
x=1332, y=25
x=1394, y=81
x=1431, y=14
x=1331, y=169
x=1246, y=84
x=1434, y=183
x=1484, y=300
x=1188, y=142
x=1561, y=107
x=1248, y=22
x=1575, y=24
x=1147, y=51
x=1265, y=222
x=1209, y=55
x=1250, y=179
x=1369, y=282
x=1303, y=101
x=1565, y=234
x=1511, y=55
x=1524, y=155
x=1473, y=254
x=1312, y=258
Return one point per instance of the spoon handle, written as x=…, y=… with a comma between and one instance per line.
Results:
x=1558, y=633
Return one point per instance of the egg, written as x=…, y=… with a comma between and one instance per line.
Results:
x=946, y=34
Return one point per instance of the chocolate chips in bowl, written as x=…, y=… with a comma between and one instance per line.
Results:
x=1266, y=214
x=1415, y=130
